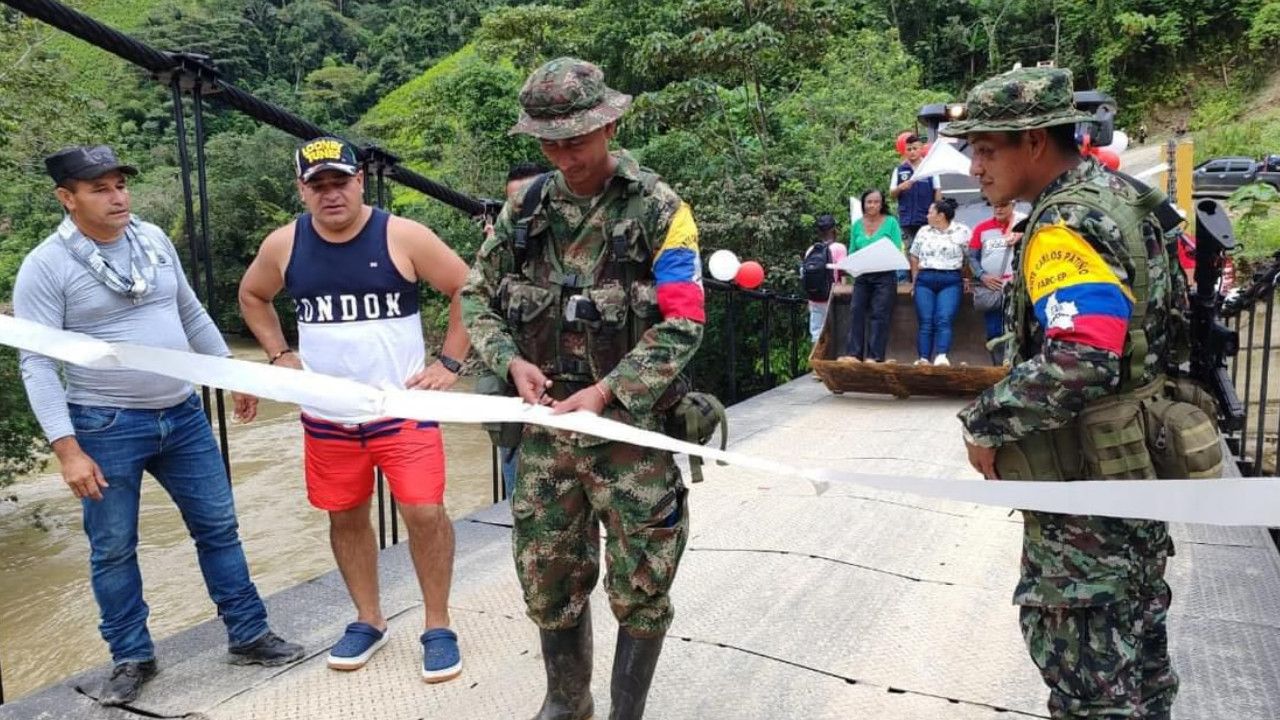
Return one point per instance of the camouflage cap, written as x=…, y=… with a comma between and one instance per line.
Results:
x=1021, y=99
x=566, y=98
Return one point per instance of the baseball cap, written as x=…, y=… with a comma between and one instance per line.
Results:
x=325, y=153
x=84, y=162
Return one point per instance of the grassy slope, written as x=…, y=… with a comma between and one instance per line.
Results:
x=393, y=120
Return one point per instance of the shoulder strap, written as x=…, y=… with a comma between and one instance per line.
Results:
x=529, y=206
x=1154, y=202
x=637, y=191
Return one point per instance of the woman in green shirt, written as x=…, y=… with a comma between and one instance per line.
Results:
x=873, y=292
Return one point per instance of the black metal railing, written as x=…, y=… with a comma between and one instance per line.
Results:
x=753, y=341
x=1251, y=312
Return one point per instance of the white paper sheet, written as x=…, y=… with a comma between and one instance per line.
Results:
x=943, y=159
x=879, y=256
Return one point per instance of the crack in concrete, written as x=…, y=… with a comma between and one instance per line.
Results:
x=830, y=495
x=140, y=712
x=1216, y=544
x=855, y=681
x=837, y=561
x=488, y=522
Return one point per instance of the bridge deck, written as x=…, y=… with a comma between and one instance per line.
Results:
x=856, y=604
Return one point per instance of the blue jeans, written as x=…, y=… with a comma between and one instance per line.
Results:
x=994, y=320
x=508, y=458
x=817, y=318
x=873, y=294
x=938, y=295
x=176, y=446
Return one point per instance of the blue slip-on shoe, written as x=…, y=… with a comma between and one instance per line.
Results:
x=441, y=659
x=358, y=644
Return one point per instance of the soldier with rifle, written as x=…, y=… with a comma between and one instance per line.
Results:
x=1097, y=333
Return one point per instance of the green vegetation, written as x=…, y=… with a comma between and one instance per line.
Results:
x=1255, y=209
x=761, y=114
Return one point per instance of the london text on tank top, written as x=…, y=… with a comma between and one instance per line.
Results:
x=357, y=315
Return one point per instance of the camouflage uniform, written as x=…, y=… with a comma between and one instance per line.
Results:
x=568, y=483
x=1092, y=591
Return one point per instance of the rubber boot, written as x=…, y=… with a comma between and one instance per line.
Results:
x=566, y=654
x=633, y=666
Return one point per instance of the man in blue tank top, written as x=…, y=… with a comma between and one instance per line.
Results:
x=353, y=273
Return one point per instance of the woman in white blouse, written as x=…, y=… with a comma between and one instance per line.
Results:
x=937, y=282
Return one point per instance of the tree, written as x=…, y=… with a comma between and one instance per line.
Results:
x=336, y=94
x=1264, y=30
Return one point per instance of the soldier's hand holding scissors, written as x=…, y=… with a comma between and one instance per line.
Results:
x=531, y=385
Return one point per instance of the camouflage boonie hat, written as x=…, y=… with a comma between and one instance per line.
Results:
x=566, y=98
x=1021, y=99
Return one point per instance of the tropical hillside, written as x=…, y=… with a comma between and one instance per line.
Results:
x=762, y=114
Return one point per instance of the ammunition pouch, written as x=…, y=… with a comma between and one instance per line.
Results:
x=1050, y=455
x=1160, y=430
x=694, y=418
x=1113, y=440
x=501, y=434
x=1182, y=432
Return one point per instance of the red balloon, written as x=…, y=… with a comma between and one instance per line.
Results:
x=1109, y=159
x=750, y=275
x=901, y=145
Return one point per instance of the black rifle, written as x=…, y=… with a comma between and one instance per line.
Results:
x=1211, y=341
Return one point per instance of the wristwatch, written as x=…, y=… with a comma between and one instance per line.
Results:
x=450, y=364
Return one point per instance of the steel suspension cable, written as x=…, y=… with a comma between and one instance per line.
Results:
x=163, y=63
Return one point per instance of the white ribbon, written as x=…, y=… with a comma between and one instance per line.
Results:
x=1215, y=502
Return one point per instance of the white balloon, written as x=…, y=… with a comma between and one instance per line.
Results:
x=1119, y=142
x=723, y=265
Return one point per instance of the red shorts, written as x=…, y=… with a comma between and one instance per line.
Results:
x=339, y=461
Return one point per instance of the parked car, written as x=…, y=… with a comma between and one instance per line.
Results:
x=1223, y=176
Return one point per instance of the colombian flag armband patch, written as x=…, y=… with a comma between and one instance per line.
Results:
x=677, y=270
x=1077, y=296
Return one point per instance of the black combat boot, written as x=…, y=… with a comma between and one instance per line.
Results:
x=567, y=657
x=633, y=666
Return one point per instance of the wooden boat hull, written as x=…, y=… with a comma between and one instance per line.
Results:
x=970, y=373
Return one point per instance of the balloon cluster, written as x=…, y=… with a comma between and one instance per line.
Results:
x=1108, y=155
x=725, y=266
x=901, y=144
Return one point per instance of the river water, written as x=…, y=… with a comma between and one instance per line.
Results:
x=48, y=619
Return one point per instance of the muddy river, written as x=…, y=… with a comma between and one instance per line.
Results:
x=48, y=619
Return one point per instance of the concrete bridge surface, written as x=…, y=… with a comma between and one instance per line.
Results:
x=853, y=605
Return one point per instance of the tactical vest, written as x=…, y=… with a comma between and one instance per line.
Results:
x=576, y=328
x=1161, y=428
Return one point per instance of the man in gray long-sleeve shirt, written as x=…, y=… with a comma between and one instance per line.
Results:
x=106, y=273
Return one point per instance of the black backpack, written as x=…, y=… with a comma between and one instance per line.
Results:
x=814, y=273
